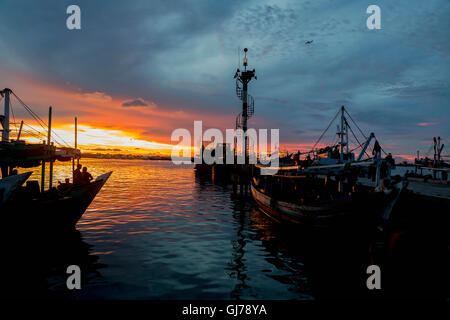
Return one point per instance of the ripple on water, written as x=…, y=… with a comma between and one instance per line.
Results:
x=160, y=232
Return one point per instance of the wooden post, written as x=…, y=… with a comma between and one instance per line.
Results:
x=73, y=159
x=42, y=175
x=49, y=134
x=50, y=182
x=5, y=132
x=76, y=138
x=49, y=137
x=20, y=130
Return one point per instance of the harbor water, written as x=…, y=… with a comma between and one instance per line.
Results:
x=156, y=231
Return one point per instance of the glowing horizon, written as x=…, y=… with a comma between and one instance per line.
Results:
x=121, y=124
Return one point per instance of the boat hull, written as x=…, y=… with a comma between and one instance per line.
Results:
x=360, y=208
x=54, y=213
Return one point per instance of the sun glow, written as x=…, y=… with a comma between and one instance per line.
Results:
x=100, y=140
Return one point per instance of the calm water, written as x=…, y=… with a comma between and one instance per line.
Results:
x=155, y=231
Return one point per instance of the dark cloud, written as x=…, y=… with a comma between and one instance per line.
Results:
x=183, y=55
x=135, y=103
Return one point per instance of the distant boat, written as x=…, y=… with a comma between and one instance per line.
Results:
x=438, y=160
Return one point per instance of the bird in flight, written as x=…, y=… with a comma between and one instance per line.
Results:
x=309, y=41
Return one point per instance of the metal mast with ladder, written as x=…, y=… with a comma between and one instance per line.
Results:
x=248, y=104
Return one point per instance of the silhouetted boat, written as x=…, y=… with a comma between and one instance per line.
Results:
x=363, y=204
x=324, y=191
x=32, y=207
x=54, y=210
x=438, y=160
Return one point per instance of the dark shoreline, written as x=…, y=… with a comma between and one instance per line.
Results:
x=124, y=157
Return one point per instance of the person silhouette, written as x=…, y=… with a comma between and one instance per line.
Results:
x=86, y=177
x=77, y=176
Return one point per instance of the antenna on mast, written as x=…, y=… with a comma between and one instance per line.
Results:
x=239, y=57
x=245, y=59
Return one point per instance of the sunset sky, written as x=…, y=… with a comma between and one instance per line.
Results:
x=137, y=70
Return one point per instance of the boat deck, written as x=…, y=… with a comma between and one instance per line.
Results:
x=430, y=189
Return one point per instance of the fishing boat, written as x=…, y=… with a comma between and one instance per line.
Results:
x=438, y=160
x=55, y=210
x=439, y=165
x=325, y=189
x=33, y=206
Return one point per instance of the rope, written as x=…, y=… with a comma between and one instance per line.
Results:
x=30, y=133
x=331, y=122
x=14, y=117
x=429, y=150
x=38, y=132
x=355, y=124
x=41, y=122
x=360, y=129
x=360, y=145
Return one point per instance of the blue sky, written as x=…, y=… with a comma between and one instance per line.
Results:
x=179, y=57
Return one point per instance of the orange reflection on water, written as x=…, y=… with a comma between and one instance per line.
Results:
x=138, y=193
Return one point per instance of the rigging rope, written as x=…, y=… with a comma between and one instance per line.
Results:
x=360, y=145
x=331, y=122
x=14, y=117
x=355, y=124
x=41, y=122
x=361, y=130
x=29, y=133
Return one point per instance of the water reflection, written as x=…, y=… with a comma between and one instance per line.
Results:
x=34, y=266
x=160, y=232
x=237, y=267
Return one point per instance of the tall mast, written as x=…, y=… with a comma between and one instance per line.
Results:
x=49, y=133
x=50, y=179
x=76, y=139
x=73, y=159
x=439, y=150
x=5, y=133
x=341, y=133
x=244, y=77
x=435, y=150
x=346, y=136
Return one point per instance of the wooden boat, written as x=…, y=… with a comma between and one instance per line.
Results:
x=360, y=205
x=54, y=210
x=323, y=191
x=33, y=208
x=438, y=160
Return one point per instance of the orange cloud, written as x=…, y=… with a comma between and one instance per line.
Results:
x=403, y=157
x=104, y=124
x=102, y=118
x=425, y=124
